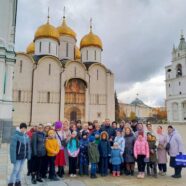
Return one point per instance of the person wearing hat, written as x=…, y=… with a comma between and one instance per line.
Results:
x=73, y=152
x=116, y=159
x=83, y=154
x=128, y=152
x=52, y=148
x=19, y=152
x=93, y=154
x=60, y=158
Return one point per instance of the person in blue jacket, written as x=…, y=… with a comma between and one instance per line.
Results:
x=104, y=151
x=116, y=159
x=83, y=154
x=19, y=152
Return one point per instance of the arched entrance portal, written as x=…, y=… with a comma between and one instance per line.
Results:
x=75, y=99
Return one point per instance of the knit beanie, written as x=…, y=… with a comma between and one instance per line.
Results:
x=91, y=139
x=58, y=125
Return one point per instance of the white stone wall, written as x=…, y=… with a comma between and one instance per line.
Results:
x=44, y=111
x=48, y=47
x=99, y=93
x=22, y=82
x=67, y=43
x=91, y=54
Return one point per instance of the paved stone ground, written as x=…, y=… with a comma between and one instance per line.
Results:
x=5, y=170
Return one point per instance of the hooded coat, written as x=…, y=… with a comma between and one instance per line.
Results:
x=104, y=146
x=19, y=147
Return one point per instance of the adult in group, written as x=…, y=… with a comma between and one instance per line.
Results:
x=174, y=148
x=128, y=152
x=110, y=131
x=19, y=152
x=161, y=151
x=149, y=129
x=140, y=130
x=38, y=154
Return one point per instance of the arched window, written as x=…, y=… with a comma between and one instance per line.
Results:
x=178, y=70
x=95, y=55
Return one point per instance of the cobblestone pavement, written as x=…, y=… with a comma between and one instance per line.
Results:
x=6, y=167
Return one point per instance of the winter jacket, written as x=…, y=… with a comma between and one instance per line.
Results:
x=19, y=147
x=104, y=148
x=111, y=132
x=121, y=142
x=129, y=146
x=38, y=144
x=152, y=151
x=141, y=148
x=73, y=148
x=116, y=157
x=52, y=147
x=176, y=144
x=93, y=152
x=83, y=153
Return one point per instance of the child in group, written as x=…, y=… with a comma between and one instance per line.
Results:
x=116, y=159
x=93, y=154
x=73, y=151
x=104, y=150
x=60, y=158
x=152, y=164
x=83, y=154
x=141, y=152
x=52, y=148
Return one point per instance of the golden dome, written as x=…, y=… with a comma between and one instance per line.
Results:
x=66, y=30
x=77, y=53
x=91, y=40
x=31, y=48
x=47, y=31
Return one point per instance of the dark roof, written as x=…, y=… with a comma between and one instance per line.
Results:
x=138, y=102
x=88, y=64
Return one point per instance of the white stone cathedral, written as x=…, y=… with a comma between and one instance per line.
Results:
x=176, y=84
x=54, y=80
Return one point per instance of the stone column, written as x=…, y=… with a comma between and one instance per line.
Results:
x=2, y=74
x=180, y=112
x=87, y=117
x=9, y=80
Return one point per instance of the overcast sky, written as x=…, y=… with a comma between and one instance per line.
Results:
x=137, y=37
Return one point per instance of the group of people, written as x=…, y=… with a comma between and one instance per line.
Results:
x=106, y=148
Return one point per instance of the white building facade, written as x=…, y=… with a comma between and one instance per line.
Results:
x=176, y=84
x=54, y=80
x=8, y=11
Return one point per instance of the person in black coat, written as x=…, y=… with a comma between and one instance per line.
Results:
x=110, y=131
x=38, y=153
x=105, y=152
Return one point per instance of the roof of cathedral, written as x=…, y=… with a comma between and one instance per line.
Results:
x=64, y=29
x=47, y=31
x=31, y=48
x=91, y=39
x=88, y=64
x=77, y=53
